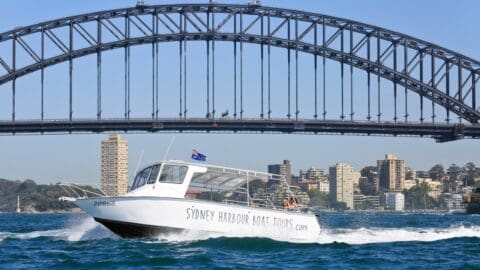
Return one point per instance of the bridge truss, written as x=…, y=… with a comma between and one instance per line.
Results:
x=443, y=81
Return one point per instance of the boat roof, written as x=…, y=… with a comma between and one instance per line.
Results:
x=181, y=162
x=224, y=178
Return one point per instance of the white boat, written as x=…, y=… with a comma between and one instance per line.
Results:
x=175, y=196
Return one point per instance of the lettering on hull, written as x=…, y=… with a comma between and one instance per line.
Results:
x=242, y=218
x=103, y=203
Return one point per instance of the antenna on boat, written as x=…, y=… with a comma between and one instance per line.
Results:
x=138, y=162
x=169, y=146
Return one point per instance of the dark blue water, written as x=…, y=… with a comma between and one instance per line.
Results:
x=348, y=241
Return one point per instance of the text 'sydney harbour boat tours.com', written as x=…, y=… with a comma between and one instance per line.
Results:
x=175, y=196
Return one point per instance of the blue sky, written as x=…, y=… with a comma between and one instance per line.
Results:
x=75, y=158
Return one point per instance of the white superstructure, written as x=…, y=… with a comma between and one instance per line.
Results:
x=174, y=196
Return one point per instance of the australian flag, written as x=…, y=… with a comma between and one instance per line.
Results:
x=198, y=156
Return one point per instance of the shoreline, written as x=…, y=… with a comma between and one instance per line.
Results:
x=71, y=211
x=373, y=211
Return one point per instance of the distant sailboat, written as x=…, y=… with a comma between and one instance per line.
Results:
x=18, y=210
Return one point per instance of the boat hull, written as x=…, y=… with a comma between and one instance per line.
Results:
x=136, y=230
x=153, y=217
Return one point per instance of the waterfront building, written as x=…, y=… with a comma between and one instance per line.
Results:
x=114, y=166
x=362, y=202
x=307, y=185
x=391, y=173
x=324, y=186
x=320, y=185
x=369, y=176
x=436, y=187
x=314, y=174
x=453, y=201
x=284, y=169
x=366, y=186
x=408, y=184
x=395, y=201
x=356, y=178
x=342, y=176
x=302, y=175
x=296, y=180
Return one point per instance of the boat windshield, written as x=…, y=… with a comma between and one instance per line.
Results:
x=146, y=176
x=233, y=186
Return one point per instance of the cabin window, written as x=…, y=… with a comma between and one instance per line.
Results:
x=144, y=178
x=153, y=174
x=135, y=182
x=141, y=178
x=173, y=174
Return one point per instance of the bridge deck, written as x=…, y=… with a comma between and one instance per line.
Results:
x=440, y=132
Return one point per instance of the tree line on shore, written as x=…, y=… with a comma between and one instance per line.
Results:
x=34, y=197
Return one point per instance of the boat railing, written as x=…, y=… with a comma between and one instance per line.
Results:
x=234, y=202
x=75, y=192
x=267, y=205
x=252, y=203
x=243, y=187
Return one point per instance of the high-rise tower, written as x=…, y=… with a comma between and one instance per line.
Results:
x=114, y=166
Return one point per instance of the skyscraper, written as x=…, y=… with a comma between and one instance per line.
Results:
x=114, y=166
x=342, y=176
x=391, y=173
x=284, y=169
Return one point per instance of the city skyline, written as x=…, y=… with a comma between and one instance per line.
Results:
x=24, y=156
x=181, y=149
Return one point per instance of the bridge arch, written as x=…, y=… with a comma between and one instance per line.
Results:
x=187, y=22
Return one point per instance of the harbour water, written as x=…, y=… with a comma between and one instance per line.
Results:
x=347, y=241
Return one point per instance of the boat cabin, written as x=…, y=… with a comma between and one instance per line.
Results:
x=178, y=179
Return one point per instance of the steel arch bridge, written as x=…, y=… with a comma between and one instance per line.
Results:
x=443, y=81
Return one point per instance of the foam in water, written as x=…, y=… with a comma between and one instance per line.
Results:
x=383, y=235
x=87, y=229
x=84, y=229
x=354, y=236
x=188, y=236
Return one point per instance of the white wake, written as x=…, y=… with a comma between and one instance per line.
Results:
x=188, y=236
x=85, y=229
x=357, y=236
x=79, y=230
x=388, y=235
